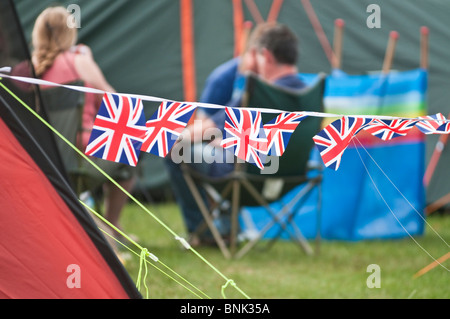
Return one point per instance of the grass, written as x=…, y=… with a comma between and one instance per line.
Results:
x=284, y=271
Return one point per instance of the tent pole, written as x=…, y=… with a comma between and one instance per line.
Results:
x=321, y=36
x=238, y=25
x=424, y=33
x=427, y=268
x=337, y=43
x=441, y=202
x=247, y=27
x=440, y=145
x=390, y=50
x=274, y=11
x=254, y=11
x=188, y=49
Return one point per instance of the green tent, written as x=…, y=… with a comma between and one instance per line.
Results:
x=149, y=47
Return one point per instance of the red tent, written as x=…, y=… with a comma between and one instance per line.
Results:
x=50, y=247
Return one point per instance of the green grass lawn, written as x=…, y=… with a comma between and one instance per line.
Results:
x=284, y=271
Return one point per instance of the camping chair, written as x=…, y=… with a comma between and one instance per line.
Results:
x=247, y=185
x=64, y=109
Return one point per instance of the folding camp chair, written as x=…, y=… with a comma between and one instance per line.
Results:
x=64, y=109
x=247, y=185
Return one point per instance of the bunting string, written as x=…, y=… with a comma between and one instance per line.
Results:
x=120, y=131
x=150, y=98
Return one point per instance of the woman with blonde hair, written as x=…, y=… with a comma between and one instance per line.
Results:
x=57, y=58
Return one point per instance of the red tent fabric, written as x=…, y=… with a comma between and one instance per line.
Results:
x=50, y=247
x=40, y=239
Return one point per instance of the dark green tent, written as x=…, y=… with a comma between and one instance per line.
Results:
x=144, y=47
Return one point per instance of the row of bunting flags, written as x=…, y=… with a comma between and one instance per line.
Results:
x=120, y=131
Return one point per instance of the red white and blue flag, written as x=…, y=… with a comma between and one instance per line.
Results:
x=165, y=126
x=335, y=137
x=433, y=124
x=119, y=129
x=444, y=128
x=389, y=129
x=244, y=134
x=279, y=131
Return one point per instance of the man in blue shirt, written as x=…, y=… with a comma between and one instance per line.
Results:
x=272, y=54
x=219, y=84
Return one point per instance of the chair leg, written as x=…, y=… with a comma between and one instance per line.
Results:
x=217, y=202
x=319, y=216
x=290, y=216
x=234, y=216
x=206, y=215
x=313, y=183
x=277, y=218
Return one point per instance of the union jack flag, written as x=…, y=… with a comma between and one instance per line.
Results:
x=335, y=137
x=165, y=126
x=245, y=135
x=389, y=129
x=279, y=131
x=444, y=128
x=118, y=130
x=433, y=124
